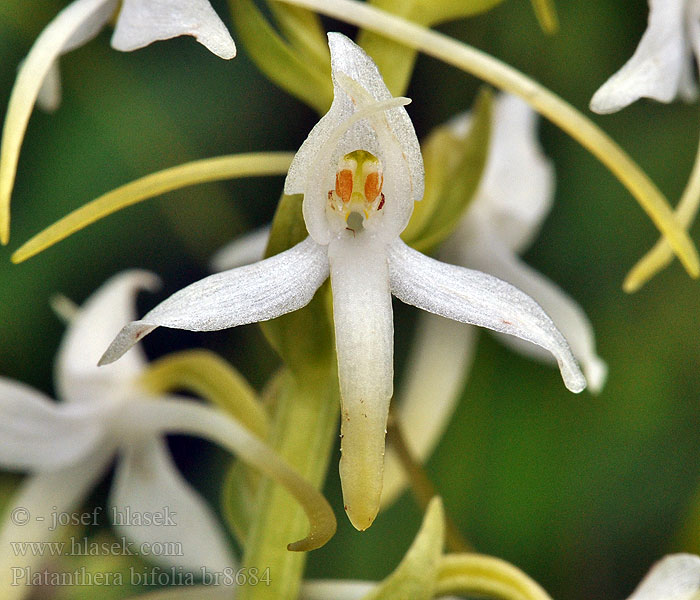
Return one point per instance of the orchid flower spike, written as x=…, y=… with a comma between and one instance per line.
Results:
x=360, y=170
x=662, y=66
x=138, y=24
x=514, y=196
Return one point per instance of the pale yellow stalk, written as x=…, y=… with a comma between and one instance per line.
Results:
x=200, y=171
x=661, y=255
x=212, y=378
x=30, y=77
x=546, y=14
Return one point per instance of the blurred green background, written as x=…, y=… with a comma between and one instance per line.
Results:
x=582, y=492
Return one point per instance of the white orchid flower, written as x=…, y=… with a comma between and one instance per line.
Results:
x=68, y=446
x=674, y=577
x=514, y=196
x=360, y=171
x=138, y=24
x=105, y=412
x=662, y=66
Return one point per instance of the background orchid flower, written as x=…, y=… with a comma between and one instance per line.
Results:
x=138, y=24
x=662, y=65
x=514, y=196
x=68, y=446
x=360, y=170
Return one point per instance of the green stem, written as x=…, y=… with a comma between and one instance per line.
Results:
x=304, y=427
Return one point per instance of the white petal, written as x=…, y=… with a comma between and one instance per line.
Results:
x=655, y=69
x=265, y=290
x=147, y=481
x=39, y=434
x=674, y=577
x=245, y=250
x=90, y=28
x=436, y=370
x=364, y=333
x=487, y=255
x=97, y=322
x=336, y=589
x=480, y=299
x=80, y=16
x=42, y=496
x=388, y=135
x=142, y=22
x=517, y=187
x=49, y=97
x=687, y=86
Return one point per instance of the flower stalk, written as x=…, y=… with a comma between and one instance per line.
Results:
x=25, y=92
x=192, y=173
x=661, y=255
x=303, y=430
x=546, y=14
x=210, y=377
x=548, y=104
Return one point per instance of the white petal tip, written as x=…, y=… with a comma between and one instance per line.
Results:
x=596, y=374
x=603, y=104
x=571, y=374
x=145, y=280
x=575, y=382
x=615, y=96
x=223, y=48
x=227, y=53
x=127, y=337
